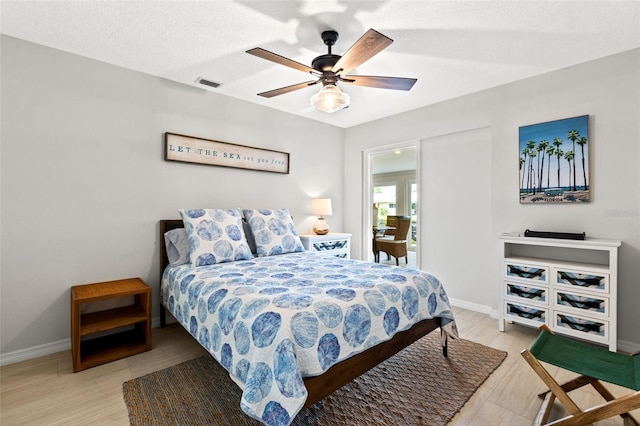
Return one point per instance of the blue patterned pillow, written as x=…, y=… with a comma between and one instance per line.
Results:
x=215, y=236
x=273, y=231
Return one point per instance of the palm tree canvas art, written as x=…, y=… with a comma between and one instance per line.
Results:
x=554, y=161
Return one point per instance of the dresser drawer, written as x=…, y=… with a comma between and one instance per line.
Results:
x=526, y=292
x=581, y=303
x=338, y=245
x=330, y=245
x=582, y=280
x=580, y=326
x=533, y=273
x=528, y=314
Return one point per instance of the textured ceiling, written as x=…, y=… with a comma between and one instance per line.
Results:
x=452, y=47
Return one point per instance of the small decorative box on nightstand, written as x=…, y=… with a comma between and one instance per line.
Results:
x=338, y=245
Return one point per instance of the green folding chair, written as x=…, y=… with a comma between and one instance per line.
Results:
x=594, y=364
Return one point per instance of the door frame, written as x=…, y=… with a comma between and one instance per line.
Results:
x=367, y=200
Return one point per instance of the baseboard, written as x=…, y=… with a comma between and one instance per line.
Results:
x=47, y=349
x=475, y=307
x=628, y=347
x=35, y=352
x=155, y=322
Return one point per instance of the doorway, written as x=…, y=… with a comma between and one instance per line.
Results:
x=391, y=188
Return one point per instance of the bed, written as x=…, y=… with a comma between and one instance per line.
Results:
x=291, y=328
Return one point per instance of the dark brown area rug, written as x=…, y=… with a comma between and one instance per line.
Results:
x=417, y=386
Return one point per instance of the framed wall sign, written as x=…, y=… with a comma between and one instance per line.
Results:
x=190, y=149
x=554, y=162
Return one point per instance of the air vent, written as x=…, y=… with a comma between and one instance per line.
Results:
x=208, y=82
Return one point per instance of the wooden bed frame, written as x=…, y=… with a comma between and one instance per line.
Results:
x=343, y=372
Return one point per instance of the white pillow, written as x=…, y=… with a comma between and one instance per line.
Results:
x=177, y=246
x=215, y=236
x=273, y=231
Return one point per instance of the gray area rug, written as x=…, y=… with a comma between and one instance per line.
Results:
x=417, y=386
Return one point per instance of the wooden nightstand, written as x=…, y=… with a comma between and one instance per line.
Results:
x=333, y=244
x=99, y=350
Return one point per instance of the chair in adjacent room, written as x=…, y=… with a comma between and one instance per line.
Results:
x=396, y=247
x=392, y=222
x=594, y=364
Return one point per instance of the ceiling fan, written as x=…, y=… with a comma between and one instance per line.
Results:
x=331, y=69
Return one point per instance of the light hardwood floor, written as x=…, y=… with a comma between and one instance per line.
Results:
x=45, y=391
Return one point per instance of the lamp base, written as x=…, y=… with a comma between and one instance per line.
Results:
x=321, y=227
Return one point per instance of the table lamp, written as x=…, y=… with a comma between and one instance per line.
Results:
x=321, y=207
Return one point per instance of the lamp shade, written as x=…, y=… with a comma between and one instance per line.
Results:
x=330, y=99
x=321, y=207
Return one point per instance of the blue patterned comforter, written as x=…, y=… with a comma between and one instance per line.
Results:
x=271, y=321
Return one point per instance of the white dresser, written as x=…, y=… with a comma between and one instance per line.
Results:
x=333, y=244
x=569, y=285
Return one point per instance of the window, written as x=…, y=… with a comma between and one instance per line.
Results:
x=385, y=198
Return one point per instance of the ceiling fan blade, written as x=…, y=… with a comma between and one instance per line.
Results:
x=394, y=83
x=370, y=44
x=274, y=57
x=287, y=89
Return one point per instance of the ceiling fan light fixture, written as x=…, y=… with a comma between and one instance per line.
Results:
x=330, y=99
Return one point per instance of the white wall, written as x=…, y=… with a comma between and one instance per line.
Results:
x=608, y=90
x=456, y=189
x=84, y=182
